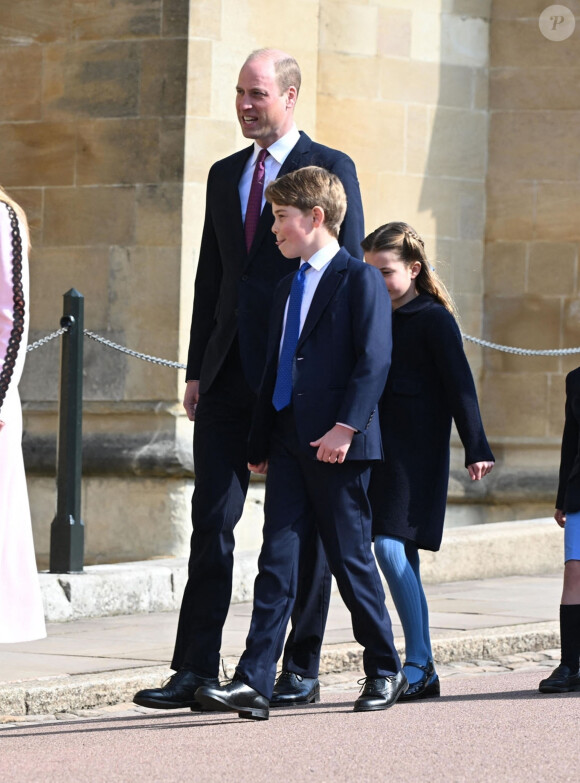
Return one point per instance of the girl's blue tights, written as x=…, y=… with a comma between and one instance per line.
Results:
x=399, y=562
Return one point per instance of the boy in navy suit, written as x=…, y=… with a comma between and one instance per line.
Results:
x=315, y=434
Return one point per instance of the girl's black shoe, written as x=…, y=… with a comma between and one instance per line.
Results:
x=427, y=687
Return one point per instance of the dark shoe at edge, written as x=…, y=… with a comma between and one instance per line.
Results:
x=562, y=680
x=236, y=696
x=427, y=687
x=380, y=693
x=291, y=689
x=176, y=693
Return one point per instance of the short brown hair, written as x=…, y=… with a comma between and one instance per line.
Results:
x=311, y=187
x=286, y=68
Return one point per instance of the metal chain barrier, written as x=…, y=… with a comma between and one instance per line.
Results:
x=177, y=366
x=521, y=351
x=44, y=340
x=136, y=354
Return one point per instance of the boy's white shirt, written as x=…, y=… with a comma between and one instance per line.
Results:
x=318, y=263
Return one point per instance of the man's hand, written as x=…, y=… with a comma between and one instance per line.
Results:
x=560, y=517
x=479, y=469
x=334, y=446
x=191, y=398
x=261, y=467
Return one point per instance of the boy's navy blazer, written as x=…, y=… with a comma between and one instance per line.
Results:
x=234, y=287
x=341, y=362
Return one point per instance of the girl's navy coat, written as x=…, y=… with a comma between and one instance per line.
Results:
x=429, y=383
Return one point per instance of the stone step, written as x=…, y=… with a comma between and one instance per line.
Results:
x=531, y=547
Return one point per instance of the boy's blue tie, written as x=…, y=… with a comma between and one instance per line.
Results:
x=283, y=390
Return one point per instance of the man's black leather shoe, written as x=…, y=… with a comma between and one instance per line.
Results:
x=380, y=693
x=236, y=696
x=425, y=688
x=293, y=689
x=176, y=693
x=561, y=681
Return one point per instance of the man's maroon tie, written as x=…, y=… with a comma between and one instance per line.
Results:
x=254, y=207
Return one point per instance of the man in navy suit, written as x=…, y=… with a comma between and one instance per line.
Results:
x=315, y=436
x=239, y=268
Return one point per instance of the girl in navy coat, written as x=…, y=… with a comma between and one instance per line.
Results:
x=429, y=384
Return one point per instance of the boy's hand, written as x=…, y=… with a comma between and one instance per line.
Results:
x=334, y=446
x=479, y=469
x=261, y=467
x=560, y=517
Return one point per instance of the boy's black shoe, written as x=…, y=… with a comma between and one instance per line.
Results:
x=235, y=697
x=380, y=693
x=562, y=680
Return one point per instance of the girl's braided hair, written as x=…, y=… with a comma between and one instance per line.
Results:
x=403, y=239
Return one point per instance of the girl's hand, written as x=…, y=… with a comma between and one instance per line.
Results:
x=479, y=469
x=560, y=517
x=1, y=424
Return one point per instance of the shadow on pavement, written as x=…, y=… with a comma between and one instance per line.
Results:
x=182, y=720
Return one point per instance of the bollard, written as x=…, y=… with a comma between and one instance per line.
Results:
x=67, y=532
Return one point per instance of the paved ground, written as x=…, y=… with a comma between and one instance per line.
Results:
x=66, y=713
x=100, y=661
x=491, y=727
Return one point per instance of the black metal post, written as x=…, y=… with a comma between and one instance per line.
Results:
x=67, y=532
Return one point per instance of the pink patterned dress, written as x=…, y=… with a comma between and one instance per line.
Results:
x=21, y=611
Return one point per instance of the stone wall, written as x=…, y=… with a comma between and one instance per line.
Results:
x=403, y=88
x=532, y=235
x=461, y=120
x=92, y=128
x=221, y=35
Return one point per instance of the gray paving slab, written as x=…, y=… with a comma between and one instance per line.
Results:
x=134, y=641
x=467, y=622
x=28, y=666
